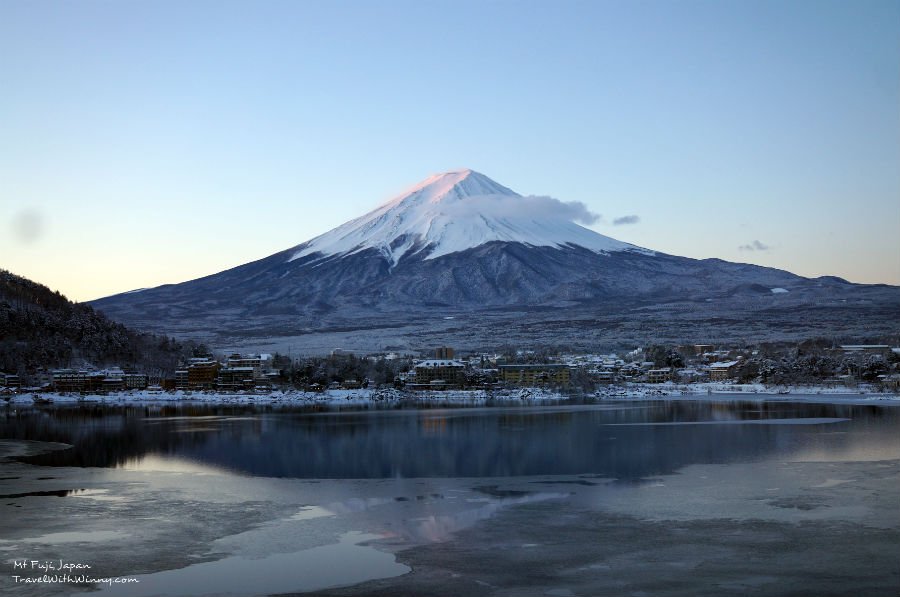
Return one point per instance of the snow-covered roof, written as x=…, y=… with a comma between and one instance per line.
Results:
x=864, y=346
x=535, y=366
x=723, y=364
x=440, y=363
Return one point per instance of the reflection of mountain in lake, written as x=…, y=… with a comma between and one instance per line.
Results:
x=447, y=443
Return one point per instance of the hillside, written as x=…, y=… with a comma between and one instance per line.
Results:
x=42, y=328
x=462, y=260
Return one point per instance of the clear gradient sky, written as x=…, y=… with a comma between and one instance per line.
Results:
x=149, y=142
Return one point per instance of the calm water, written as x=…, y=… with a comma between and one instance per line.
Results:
x=252, y=501
x=621, y=440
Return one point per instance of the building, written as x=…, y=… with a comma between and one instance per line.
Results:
x=202, y=374
x=890, y=382
x=136, y=381
x=882, y=349
x=444, y=353
x=722, y=370
x=108, y=380
x=113, y=380
x=236, y=378
x=181, y=379
x=439, y=373
x=630, y=371
x=659, y=375
x=9, y=380
x=535, y=375
x=689, y=374
x=603, y=376
x=70, y=380
x=260, y=363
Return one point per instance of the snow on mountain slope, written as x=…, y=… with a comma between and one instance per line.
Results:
x=460, y=210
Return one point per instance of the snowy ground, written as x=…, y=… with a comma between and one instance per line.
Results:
x=367, y=397
x=723, y=391
x=362, y=397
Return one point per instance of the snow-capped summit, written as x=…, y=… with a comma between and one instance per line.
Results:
x=459, y=210
x=461, y=260
x=454, y=184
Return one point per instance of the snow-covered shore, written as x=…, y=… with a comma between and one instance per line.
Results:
x=519, y=396
x=335, y=398
x=729, y=391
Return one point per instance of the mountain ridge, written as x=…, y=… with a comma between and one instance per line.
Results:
x=430, y=266
x=455, y=211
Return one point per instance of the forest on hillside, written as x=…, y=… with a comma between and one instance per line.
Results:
x=42, y=329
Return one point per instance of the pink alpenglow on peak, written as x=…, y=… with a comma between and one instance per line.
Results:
x=460, y=210
x=452, y=185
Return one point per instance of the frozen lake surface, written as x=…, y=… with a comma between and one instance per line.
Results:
x=621, y=498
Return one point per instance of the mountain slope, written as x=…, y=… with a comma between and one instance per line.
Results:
x=460, y=245
x=455, y=211
x=41, y=328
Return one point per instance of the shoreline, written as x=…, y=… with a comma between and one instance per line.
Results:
x=462, y=398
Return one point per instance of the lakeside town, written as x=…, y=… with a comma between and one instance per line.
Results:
x=849, y=367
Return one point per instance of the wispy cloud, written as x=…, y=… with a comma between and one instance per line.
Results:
x=632, y=219
x=575, y=211
x=537, y=207
x=754, y=246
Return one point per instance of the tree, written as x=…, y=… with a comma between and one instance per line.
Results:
x=873, y=366
x=674, y=359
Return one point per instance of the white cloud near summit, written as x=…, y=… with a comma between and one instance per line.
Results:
x=532, y=206
x=632, y=219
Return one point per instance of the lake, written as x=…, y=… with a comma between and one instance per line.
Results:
x=669, y=497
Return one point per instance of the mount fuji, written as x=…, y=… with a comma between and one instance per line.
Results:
x=455, y=211
x=460, y=259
